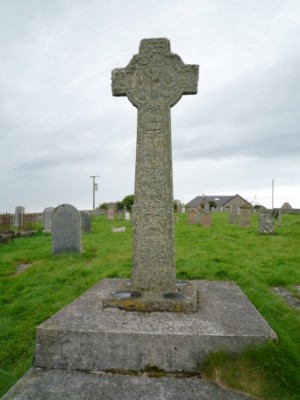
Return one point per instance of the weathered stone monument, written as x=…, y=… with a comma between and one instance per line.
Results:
x=266, y=224
x=47, y=219
x=95, y=332
x=66, y=230
x=245, y=215
x=110, y=212
x=205, y=219
x=192, y=216
x=154, y=81
x=206, y=207
x=86, y=222
x=233, y=216
x=19, y=216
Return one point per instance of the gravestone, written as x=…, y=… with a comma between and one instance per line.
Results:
x=233, y=217
x=266, y=224
x=66, y=230
x=192, y=216
x=279, y=217
x=127, y=216
x=119, y=229
x=47, y=219
x=19, y=217
x=120, y=216
x=154, y=81
x=205, y=219
x=110, y=212
x=182, y=209
x=245, y=216
x=206, y=207
x=86, y=222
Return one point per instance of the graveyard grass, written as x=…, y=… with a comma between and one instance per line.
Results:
x=222, y=252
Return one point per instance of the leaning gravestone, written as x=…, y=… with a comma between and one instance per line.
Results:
x=86, y=222
x=266, y=224
x=47, y=219
x=66, y=230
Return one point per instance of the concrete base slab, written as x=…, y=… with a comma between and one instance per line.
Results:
x=87, y=336
x=62, y=385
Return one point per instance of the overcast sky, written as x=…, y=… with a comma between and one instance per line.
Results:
x=60, y=124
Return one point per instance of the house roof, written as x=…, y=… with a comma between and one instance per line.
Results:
x=219, y=200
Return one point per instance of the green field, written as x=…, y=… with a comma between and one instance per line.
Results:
x=223, y=252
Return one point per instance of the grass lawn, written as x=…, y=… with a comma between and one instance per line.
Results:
x=223, y=252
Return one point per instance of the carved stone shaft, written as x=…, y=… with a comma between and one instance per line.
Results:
x=154, y=81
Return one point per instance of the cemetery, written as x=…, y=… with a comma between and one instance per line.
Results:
x=105, y=315
x=223, y=252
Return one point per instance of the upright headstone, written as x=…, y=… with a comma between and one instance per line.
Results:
x=120, y=216
x=279, y=217
x=192, y=216
x=154, y=81
x=233, y=217
x=86, y=222
x=182, y=209
x=205, y=219
x=245, y=216
x=19, y=217
x=127, y=216
x=47, y=219
x=266, y=224
x=110, y=216
x=66, y=230
x=206, y=207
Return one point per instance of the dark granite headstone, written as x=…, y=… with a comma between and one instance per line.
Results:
x=66, y=229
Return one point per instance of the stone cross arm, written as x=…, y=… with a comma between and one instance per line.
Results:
x=155, y=76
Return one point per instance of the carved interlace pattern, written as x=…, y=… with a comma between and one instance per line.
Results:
x=154, y=81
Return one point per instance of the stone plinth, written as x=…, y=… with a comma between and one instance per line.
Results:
x=185, y=298
x=86, y=336
x=74, y=385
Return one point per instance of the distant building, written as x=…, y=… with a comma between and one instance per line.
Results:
x=219, y=201
x=286, y=206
